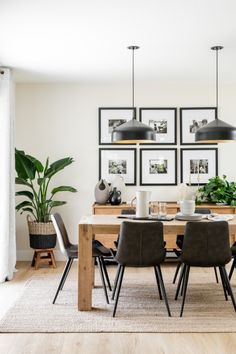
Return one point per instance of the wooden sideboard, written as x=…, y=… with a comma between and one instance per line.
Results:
x=172, y=208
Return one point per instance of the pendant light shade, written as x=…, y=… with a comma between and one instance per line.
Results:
x=133, y=131
x=216, y=131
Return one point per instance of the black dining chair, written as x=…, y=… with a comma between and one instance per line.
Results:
x=71, y=252
x=206, y=244
x=233, y=250
x=140, y=245
x=179, y=243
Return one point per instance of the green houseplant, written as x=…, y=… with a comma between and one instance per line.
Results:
x=217, y=190
x=39, y=201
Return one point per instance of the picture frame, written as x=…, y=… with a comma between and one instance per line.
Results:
x=164, y=121
x=198, y=165
x=110, y=117
x=193, y=118
x=158, y=167
x=121, y=161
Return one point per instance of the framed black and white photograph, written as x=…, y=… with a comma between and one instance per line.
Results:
x=163, y=122
x=191, y=119
x=158, y=167
x=118, y=162
x=111, y=118
x=198, y=165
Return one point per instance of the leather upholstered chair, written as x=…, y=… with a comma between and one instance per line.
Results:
x=206, y=244
x=140, y=245
x=71, y=252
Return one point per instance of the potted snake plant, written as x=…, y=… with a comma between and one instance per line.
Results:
x=39, y=201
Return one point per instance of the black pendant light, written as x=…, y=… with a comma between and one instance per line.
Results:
x=216, y=131
x=133, y=131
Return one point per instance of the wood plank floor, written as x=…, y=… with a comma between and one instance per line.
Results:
x=84, y=343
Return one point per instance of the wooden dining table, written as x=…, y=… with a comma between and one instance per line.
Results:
x=91, y=225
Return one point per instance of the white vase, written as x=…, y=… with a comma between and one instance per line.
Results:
x=102, y=192
x=119, y=184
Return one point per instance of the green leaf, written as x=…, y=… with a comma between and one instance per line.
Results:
x=24, y=166
x=55, y=203
x=22, y=205
x=40, y=180
x=27, y=209
x=58, y=166
x=22, y=181
x=37, y=163
x=26, y=194
x=63, y=189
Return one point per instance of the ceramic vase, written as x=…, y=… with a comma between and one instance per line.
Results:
x=102, y=192
x=119, y=184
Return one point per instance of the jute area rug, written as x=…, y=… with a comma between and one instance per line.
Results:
x=139, y=308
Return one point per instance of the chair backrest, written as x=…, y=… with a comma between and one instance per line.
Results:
x=61, y=232
x=140, y=244
x=206, y=244
x=202, y=211
x=128, y=211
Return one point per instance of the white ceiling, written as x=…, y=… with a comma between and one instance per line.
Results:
x=86, y=40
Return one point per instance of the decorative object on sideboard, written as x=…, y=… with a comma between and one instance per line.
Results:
x=216, y=131
x=36, y=177
x=218, y=190
x=102, y=192
x=115, y=197
x=133, y=131
x=118, y=182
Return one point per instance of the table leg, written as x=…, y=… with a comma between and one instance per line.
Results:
x=85, y=268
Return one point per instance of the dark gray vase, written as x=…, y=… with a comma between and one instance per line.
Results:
x=102, y=192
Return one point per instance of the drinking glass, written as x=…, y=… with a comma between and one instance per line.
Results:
x=154, y=208
x=162, y=210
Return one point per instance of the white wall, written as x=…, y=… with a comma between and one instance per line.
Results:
x=59, y=120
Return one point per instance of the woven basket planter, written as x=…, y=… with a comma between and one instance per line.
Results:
x=42, y=234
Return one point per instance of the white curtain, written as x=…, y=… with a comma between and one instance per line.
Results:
x=7, y=173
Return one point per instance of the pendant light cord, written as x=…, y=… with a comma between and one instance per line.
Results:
x=217, y=81
x=133, y=77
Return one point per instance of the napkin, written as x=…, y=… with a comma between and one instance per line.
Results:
x=222, y=217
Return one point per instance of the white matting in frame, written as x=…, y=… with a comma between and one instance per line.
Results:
x=109, y=119
x=162, y=121
x=198, y=165
x=158, y=167
x=121, y=162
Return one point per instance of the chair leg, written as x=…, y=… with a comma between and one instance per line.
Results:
x=177, y=271
x=67, y=272
x=228, y=286
x=180, y=281
x=158, y=268
x=232, y=268
x=63, y=278
x=223, y=284
x=158, y=283
x=102, y=278
x=217, y=280
x=116, y=281
x=118, y=289
x=105, y=273
x=185, y=282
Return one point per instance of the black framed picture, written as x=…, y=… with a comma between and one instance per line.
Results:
x=118, y=162
x=158, y=167
x=198, y=165
x=109, y=118
x=193, y=118
x=163, y=122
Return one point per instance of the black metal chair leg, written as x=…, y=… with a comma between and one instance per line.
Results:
x=158, y=268
x=176, y=272
x=232, y=268
x=118, y=289
x=185, y=282
x=99, y=263
x=67, y=272
x=217, y=280
x=63, y=279
x=223, y=284
x=180, y=281
x=105, y=273
x=158, y=282
x=116, y=281
x=227, y=283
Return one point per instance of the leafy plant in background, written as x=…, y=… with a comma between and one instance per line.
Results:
x=32, y=174
x=217, y=190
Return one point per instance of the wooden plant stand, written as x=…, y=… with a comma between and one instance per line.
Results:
x=43, y=256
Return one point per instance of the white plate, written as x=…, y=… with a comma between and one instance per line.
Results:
x=193, y=217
